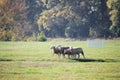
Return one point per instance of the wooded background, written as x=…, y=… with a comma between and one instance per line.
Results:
x=29, y=20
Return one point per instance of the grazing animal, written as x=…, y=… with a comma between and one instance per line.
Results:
x=62, y=51
x=56, y=50
x=59, y=50
x=77, y=51
x=68, y=52
x=73, y=52
x=62, y=48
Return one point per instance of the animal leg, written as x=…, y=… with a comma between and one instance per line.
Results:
x=63, y=55
x=83, y=55
x=74, y=56
x=59, y=55
x=53, y=55
x=78, y=56
x=68, y=56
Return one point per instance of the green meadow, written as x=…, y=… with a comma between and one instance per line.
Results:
x=34, y=61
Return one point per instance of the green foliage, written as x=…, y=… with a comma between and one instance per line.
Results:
x=7, y=35
x=114, y=6
x=74, y=19
x=12, y=19
x=41, y=37
x=58, y=18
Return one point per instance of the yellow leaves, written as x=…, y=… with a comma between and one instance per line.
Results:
x=46, y=19
x=110, y=3
x=54, y=15
x=2, y=5
x=3, y=2
x=44, y=1
x=113, y=14
x=7, y=35
x=6, y=19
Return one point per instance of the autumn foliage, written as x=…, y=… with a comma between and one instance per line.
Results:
x=26, y=19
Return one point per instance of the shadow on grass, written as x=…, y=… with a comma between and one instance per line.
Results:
x=3, y=59
x=97, y=60
x=71, y=60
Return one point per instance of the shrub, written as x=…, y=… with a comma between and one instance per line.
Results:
x=41, y=37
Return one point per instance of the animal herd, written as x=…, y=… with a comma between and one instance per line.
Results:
x=72, y=52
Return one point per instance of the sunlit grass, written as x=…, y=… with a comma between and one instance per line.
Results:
x=34, y=61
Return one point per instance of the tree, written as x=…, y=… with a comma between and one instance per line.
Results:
x=35, y=7
x=12, y=12
x=81, y=18
x=114, y=6
x=99, y=19
x=26, y=19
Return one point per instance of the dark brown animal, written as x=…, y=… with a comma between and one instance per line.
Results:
x=77, y=51
x=62, y=48
x=74, y=51
x=68, y=52
x=59, y=50
x=56, y=50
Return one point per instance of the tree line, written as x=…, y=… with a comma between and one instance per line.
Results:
x=35, y=20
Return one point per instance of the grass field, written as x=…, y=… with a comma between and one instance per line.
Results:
x=34, y=61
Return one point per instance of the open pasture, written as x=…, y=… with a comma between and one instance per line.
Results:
x=34, y=61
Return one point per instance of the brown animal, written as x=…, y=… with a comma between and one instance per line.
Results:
x=59, y=50
x=74, y=51
x=56, y=50
x=62, y=48
x=77, y=51
x=68, y=52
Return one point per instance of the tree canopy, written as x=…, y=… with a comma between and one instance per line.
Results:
x=114, y=6
x=28, y=19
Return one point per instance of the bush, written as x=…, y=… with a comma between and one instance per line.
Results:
x=41, y=37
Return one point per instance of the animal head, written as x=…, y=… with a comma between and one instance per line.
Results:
x=52, y=47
